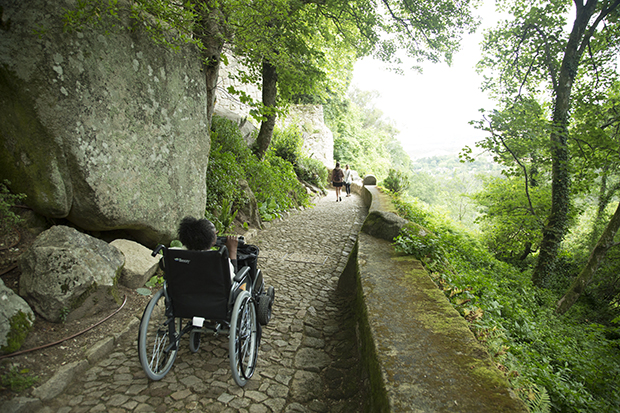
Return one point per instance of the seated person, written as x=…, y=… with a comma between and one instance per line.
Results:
x=200, y=235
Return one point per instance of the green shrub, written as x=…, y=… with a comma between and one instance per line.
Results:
x=420, y=243
x=272, y=180
x=275, y=186
x=396, y=181
x=8, y=219
x=312, y=171
x=18, y=380
x=227, y=135
x=223, y=176
x=553, y=362
x=287, y=144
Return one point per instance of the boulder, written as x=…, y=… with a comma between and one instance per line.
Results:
x=140, y=265
x=101, y=127
x=384, y=225
x=318, y=138
x=246, y=127
x=370, y=180
x=63, y=267
x=249, y=212
x=16, y=320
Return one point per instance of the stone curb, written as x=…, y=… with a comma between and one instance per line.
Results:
x=66, y=374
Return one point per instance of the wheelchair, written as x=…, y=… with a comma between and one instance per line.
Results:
x=199, y=297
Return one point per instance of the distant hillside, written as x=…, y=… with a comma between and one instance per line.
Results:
x=448, y=165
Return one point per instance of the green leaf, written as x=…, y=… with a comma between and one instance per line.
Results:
x=143, y=291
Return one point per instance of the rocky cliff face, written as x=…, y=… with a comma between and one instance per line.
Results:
x=104, y=129
x=318, y=139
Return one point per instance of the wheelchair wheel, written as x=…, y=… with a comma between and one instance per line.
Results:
x=265, y=302
x=154, y=338
x=243, y=339
x=194, y=341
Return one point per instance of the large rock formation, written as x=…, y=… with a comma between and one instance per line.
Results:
x=63, y=267
x=318, y=138
x=104, y=129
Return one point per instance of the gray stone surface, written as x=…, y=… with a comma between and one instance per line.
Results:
x=13, y=308
x=61, y=266
x=21, y=405
x=140, y=265
x=104, y=129
x=308, y=359
x=370, y=180
x=427, y=356
x=57, y=384
x=427, y=360
x=384, y=225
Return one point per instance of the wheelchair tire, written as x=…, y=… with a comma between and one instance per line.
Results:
x=154, y=338
x=243, y=339
x=194, y=341
x=264, y=309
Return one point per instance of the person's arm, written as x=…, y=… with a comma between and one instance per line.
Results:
x=231, y=245
x=233, y=268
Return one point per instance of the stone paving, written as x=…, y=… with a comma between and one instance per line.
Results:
x=308, y=358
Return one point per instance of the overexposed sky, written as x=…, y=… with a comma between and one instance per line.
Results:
x=432, y=110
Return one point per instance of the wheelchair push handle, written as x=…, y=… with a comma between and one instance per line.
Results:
x=157, y=249
x=221, y=240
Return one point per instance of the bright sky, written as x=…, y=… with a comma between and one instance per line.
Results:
x=432, y=110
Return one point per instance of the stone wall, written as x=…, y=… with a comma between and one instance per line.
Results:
x=227, y=101
x=419, y=352
x=229, y=106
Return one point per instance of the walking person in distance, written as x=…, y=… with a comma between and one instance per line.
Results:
x=337, y=175
x=347, y=179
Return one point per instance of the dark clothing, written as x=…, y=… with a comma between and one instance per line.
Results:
x=337, y=176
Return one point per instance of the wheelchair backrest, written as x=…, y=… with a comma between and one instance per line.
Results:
x=198, y=283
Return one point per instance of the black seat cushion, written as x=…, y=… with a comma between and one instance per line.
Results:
x=198, y=283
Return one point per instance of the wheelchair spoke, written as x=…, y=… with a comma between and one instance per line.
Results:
x=156, y=352
x=159, y=346
x=243, y=340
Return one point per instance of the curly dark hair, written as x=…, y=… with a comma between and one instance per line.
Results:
x=197, y=234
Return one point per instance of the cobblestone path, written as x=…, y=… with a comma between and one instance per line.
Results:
x=308, y=359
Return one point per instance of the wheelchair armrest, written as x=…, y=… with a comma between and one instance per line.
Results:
x=241, y=274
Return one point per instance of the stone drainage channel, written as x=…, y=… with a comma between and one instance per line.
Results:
x=308, y=358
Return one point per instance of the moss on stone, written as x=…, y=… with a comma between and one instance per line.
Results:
x=30, y=164
x=21, y=324
x=79, y=301
x=377, y=399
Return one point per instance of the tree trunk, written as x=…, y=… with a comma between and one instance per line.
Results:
x=212, y=32
x=557, y=223
x=270, y=90
x=527, y=250
x=596, y=256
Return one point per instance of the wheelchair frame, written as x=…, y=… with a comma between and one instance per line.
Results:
x=161, y=329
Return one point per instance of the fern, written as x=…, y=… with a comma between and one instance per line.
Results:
x=538, y=400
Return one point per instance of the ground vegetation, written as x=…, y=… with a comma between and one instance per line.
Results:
x=567, y=363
